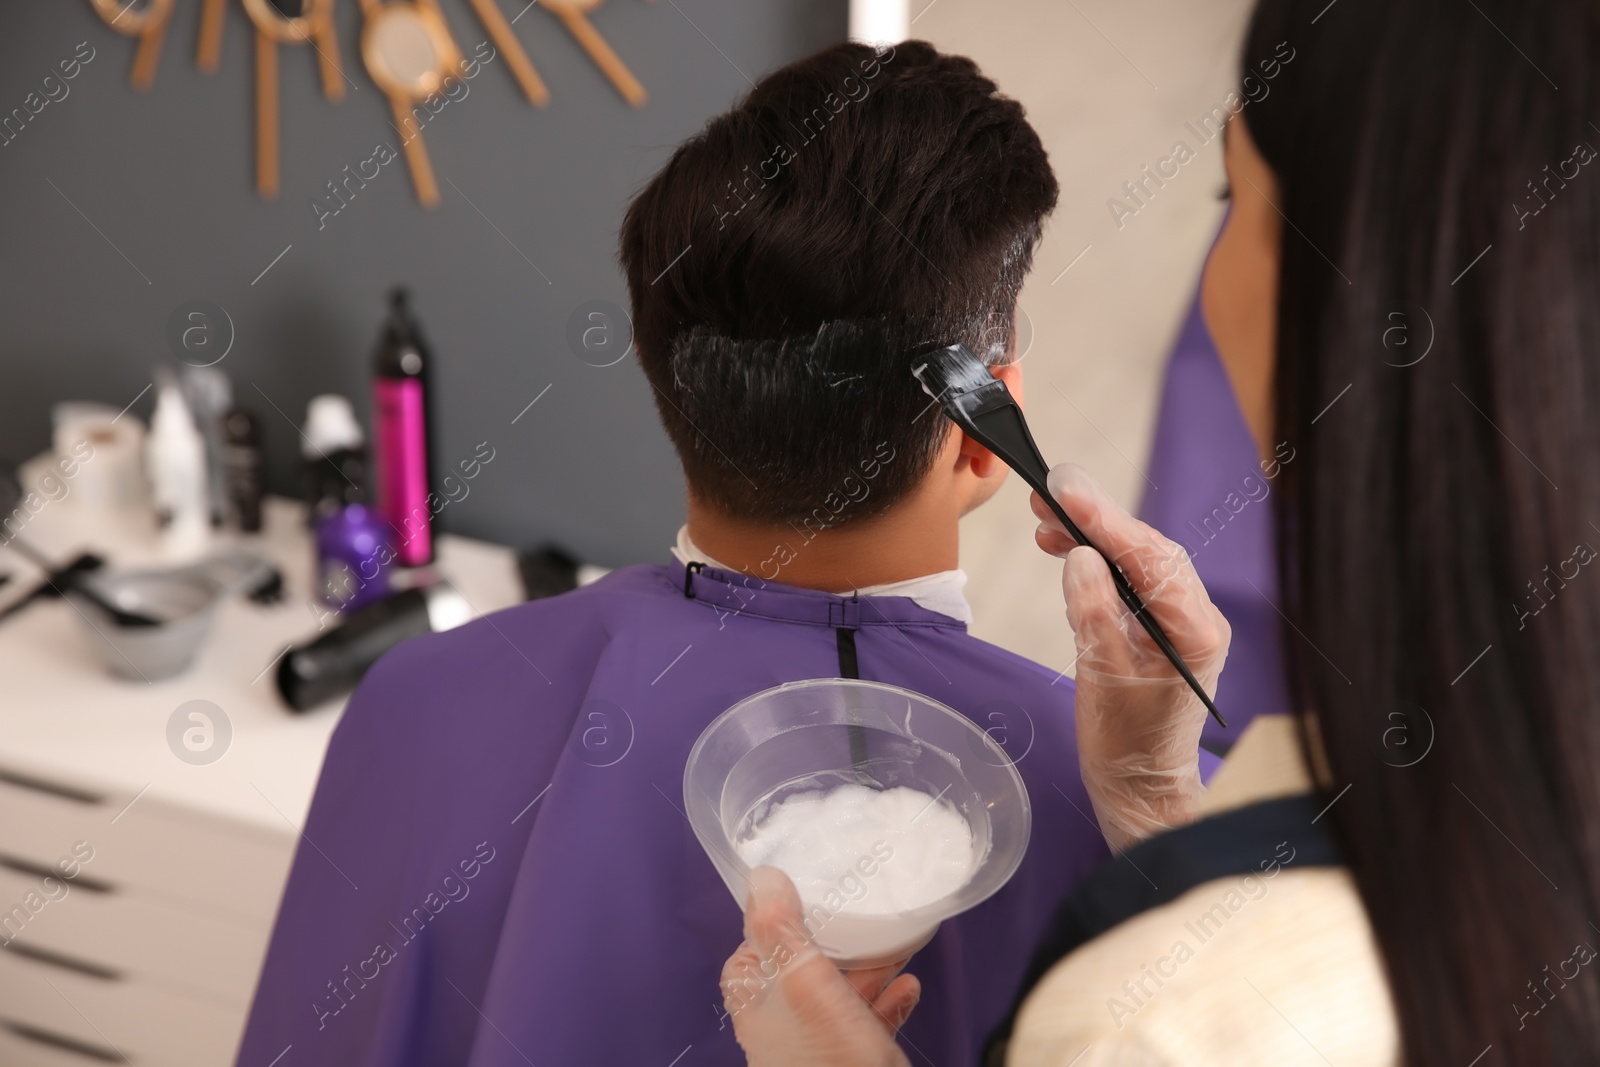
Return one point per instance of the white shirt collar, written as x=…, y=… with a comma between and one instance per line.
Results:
x=941, y=592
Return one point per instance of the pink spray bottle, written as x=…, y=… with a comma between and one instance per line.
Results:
x=401, y=433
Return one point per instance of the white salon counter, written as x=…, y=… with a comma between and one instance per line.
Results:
x=152, y=953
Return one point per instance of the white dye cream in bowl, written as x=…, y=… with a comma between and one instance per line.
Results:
x=862, y=851
x=890, y=811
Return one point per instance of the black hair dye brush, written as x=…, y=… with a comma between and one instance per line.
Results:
x=980, y=404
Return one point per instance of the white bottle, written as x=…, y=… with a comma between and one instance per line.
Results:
x=175, y=463
x=331, y=426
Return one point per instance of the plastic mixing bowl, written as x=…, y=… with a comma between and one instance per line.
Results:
x=185, y=604
x=816, y=735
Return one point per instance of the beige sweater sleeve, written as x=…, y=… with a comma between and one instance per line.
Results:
x=1272, y=969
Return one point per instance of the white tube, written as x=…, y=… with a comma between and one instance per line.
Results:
x=175, y=462
x=880, y=21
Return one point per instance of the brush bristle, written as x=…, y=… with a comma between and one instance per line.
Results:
x=951, y=372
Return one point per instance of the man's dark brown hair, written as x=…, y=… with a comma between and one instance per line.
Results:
x=789, y=260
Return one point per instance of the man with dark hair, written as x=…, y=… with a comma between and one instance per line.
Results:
x=854, y=205
x=502, y=871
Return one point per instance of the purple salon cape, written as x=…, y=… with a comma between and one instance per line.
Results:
x=1211, y=493
x=497, y=870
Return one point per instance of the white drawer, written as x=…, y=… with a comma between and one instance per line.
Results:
x=149, y=941
x=150, y=846
x=147, y=1025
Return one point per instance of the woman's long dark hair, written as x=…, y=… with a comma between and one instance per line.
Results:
x=1439, y=373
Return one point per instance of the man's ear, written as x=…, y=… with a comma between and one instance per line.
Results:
x=985, y=464
x=1011, y=374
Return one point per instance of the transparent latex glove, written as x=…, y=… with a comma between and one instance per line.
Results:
x=791, y=1007
x=1138, y=722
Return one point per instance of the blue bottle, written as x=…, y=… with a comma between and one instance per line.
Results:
x=354, y=557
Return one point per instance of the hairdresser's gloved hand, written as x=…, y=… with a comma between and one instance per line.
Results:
x=791, y=1007
x=1139, y=723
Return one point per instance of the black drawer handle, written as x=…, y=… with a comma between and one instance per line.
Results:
x=56, y=959
x=68, y=1044
x=55, y=789
x=39, y=870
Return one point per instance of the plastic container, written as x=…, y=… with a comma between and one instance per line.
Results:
x=183, y=599
x=822, y=733
x=186, y=606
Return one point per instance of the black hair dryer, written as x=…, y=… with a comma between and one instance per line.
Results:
x=332, y=664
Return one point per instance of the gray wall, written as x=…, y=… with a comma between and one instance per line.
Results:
x=167, y=180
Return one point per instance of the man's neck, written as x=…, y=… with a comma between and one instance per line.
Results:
x=910, y=540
